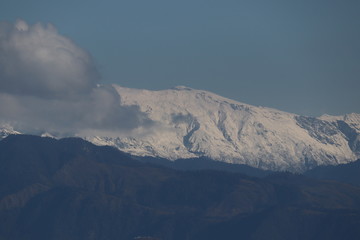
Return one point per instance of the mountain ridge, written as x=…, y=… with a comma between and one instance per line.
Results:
x=72, y=189
x=196, y=123
x=190, y=123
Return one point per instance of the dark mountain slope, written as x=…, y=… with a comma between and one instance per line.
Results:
x=348, y=173
x=71, y=189
x=204, y=163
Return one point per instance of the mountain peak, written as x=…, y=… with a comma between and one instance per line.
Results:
x=183, y=88
x=192, y=123
x=196, y=123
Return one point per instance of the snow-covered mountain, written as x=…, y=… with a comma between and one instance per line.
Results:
x=191, y=123
x=6, y=130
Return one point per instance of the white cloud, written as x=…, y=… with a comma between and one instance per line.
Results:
x=48, y=83
x=21, y=25
x=36, y=60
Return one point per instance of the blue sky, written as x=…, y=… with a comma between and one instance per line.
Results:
x=297, y=56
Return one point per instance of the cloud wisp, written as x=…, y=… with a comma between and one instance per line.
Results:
x=48, y=83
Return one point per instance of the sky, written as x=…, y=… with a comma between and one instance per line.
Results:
x=297, y=56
